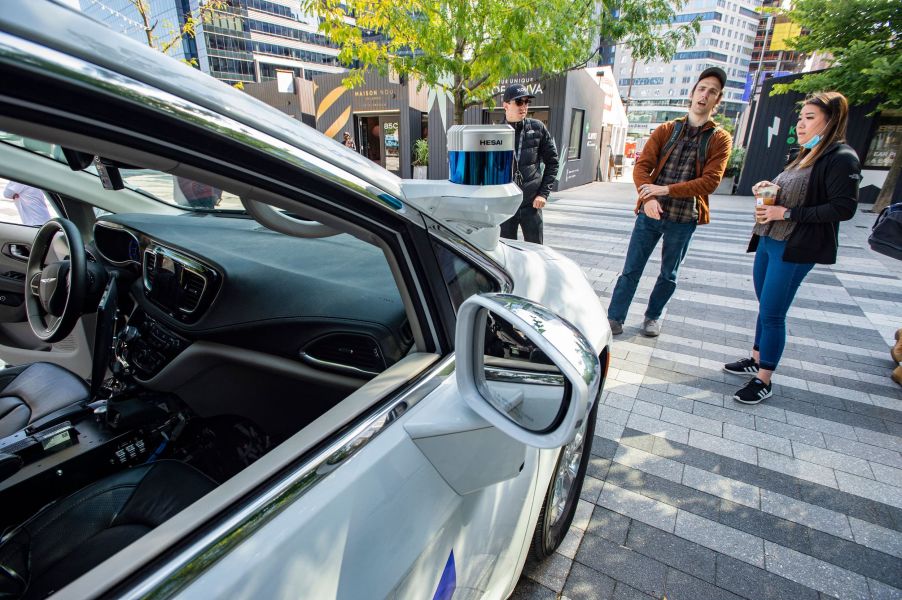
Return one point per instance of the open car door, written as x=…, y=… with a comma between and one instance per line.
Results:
x=23, y=209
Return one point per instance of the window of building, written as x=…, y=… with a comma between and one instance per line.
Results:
x=574, y=148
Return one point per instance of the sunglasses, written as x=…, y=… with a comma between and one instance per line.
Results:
x=522, y=101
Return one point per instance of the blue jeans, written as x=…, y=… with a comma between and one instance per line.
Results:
x=646, y=233
x=776, y=283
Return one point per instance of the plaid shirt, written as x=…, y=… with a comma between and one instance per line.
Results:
x=680, y=166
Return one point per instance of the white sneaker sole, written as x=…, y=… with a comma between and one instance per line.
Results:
x=756, y=401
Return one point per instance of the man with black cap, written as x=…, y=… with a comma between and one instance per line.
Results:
x=532, y=145
x=681, y=164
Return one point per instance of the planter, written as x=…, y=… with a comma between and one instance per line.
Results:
x=726, y=187
x=421, y=172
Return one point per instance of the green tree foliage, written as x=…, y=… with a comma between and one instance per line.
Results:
x=465, y=47
x=862, y=36
x=164, y=35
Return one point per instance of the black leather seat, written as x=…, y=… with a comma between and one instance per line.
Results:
x=71, y=536
x=31, y=392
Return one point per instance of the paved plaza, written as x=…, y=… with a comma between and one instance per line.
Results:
x=694, y=496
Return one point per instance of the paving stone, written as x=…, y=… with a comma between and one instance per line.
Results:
x=603, y=447
x=792, y=432
x=725, y=414
x=877, y=537
x=764, y=525
x=625, y=592
x=551, y=572
x=591, y=489
x=865, y=451
x=724, y=447
x=571, y=543
x=692, y=421
x=530, y=590
x=657, y=427
x=887, y=474
x=797, y=468
x=637, y=439
x=814, y=573
x=687, y=454
x=889, y=442
x=609, y=525
x=666, y=491
x=649, y=463
x=806, y=514
x=857, y=558
x=757, y=438
x=721, y=538
x=598, y=467
x=752, y=582
x=637, y=506
x=681, y=586
x=664, y=399
x=585, y=583
x=822, y=425
x=622, y=564
x=672, y=550
x=723, y=487
x=881, y=591
x=868, y=488
x=849, y=504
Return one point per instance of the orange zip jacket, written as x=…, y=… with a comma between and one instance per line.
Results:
x=651, y=162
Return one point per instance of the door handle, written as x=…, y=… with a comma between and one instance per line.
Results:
x=19, y=251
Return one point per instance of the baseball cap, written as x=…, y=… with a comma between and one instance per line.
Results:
x=715, y=72
x=517, y=90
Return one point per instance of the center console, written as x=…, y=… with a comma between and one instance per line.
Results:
x=145, y=346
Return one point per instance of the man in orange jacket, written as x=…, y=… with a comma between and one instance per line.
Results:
x=680, y=165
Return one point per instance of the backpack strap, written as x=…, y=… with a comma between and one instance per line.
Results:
x=703, y=145
x=674, y=136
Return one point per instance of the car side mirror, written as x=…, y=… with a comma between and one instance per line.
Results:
x=524, y=369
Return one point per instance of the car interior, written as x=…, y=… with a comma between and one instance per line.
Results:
x=160, y=340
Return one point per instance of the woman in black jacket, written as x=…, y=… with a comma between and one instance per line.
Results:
x=817, y=190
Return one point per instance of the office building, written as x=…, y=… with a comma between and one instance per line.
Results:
x=247, y=41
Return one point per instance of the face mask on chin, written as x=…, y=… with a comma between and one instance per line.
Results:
x=810, y=144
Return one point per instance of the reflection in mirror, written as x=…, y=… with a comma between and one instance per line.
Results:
x=519, y=380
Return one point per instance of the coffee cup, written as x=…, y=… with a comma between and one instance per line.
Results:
x=766, y=195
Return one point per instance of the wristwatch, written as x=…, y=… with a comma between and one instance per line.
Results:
x=787, y=214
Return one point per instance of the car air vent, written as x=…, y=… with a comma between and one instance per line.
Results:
x=347, y=352
x=150, y=262
x=193, y=286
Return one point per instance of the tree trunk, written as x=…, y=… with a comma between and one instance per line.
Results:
x=889, y=186
x=460, y=96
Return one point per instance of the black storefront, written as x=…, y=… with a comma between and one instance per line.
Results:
x=570, y=105
x=874, y=138
x=385, y=116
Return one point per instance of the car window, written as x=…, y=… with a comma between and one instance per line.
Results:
x=462, y=278
x=23, y=204
x=164, y=187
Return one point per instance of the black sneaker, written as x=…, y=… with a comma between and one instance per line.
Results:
x=754, y=392
x=746, y=366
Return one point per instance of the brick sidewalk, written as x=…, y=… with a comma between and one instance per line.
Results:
x=695, y=496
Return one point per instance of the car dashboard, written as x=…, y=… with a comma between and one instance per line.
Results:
x=331, y=303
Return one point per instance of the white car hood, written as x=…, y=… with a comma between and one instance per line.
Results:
x=546, y=276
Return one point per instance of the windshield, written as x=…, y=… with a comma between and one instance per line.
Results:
x=164, y=187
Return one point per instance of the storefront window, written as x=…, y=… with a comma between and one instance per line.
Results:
x=882, y=151
x=574, y=150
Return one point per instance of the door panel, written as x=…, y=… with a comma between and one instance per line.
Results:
x=384, y=525
x=18, y=345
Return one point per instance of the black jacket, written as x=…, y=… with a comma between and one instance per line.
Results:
x=538, y=146
x=832, y=197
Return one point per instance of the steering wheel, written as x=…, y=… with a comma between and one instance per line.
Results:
x=56, y=291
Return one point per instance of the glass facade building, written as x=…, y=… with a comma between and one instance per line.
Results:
x=246, y=41
x=658, y=91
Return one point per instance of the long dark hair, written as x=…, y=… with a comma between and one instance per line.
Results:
x=836, y=107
